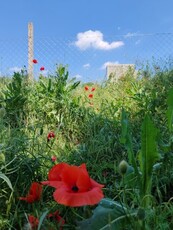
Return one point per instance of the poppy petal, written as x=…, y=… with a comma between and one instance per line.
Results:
x=70, y=175
x=34, y=194
x=56, y=171
x=95, y=184
x=29, y=198
x=54, y=184
x=78, y=199
x=36, y=190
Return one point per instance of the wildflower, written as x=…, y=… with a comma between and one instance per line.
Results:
x=86, y=88
x=33, y=221
x=34, y=194
x=42, y=68
x=50, y=135
x=56, y=217
x=93, y=89
x=53, y=158
x=90, y=95
x=73, y=185
x=35, y=61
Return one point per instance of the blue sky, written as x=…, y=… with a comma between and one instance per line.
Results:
x=87, y=33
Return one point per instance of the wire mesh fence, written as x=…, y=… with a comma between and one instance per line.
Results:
x=86, y=55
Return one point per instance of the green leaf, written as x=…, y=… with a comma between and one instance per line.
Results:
x=6, y=179
x=148, y=155
x=107, y=215
x=169, y=112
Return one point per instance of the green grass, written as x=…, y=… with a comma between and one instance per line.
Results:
x=87, y=130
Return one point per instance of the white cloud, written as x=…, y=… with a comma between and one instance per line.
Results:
x=109, y=63
x=15, y=69
x=87, y=66
x=94, y=39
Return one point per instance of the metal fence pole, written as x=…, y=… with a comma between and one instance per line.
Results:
x=30, y=51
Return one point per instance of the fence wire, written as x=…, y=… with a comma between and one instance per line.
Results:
x=86, y=57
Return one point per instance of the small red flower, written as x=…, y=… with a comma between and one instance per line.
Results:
x=34, y=194
x=73, y=185
x=90, y=95
x=33, y=221
x=42, y=68
x=93, y=89
x=86, y=88
x=50, y=135
x=53, y=158
x=35, y=61
x=56, y=217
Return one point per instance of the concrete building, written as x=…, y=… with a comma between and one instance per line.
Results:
x=116, y=71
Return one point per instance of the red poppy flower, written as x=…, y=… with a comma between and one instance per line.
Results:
x=42, y=68
x=56, y=217
x=33, y=221
x=50, y=135
x=34, y=61
x=86, y=88
x=93, y=89
x=73, y=185
x=90, y=95
x=34, y=194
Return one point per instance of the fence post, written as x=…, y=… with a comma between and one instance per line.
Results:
x=30, y=51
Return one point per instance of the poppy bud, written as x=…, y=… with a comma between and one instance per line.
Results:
x=123, y=167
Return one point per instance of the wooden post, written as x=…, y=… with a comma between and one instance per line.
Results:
x=30, y=51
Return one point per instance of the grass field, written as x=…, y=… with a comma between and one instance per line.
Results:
x=86, y=156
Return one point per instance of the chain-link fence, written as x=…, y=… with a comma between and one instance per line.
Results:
x=86, y=55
